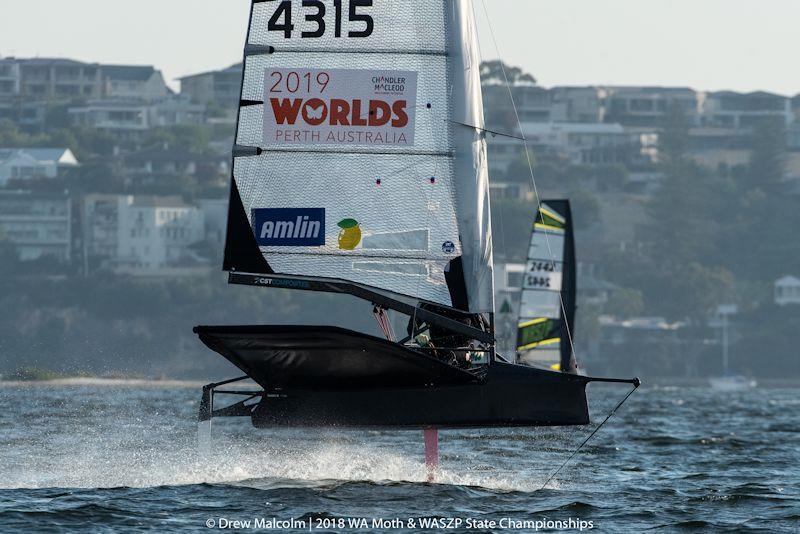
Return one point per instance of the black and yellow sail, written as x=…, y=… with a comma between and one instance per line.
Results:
x=547, y=303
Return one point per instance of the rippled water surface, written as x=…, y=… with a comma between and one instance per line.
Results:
x=100, y=457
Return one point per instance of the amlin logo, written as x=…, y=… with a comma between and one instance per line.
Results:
x=289, y=227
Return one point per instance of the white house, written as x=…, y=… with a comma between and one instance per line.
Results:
x=155, y=236
x=787, y=290
x=24, y=163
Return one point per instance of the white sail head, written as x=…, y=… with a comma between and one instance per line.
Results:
x=364, y=173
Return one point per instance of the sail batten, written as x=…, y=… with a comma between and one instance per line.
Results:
x=348, y=163
x=265, y=50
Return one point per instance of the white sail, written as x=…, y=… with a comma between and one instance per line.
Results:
x=360, y=154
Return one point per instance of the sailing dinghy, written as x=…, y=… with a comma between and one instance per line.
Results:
x=359, y=167
x=546, y=324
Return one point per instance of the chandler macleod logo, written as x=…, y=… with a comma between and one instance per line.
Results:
x=389, y=85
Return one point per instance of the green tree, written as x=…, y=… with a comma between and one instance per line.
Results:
x=690, y=291
x=492, y=73
x=679, y=230
x=625, y=302
x=759, y=239
x=585, y=208
x=191, y=137
x=767, y=166
x=11, y=136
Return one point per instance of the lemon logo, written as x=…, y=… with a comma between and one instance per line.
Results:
x=350, y=236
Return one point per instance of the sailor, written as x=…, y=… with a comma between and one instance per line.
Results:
x=454, y=348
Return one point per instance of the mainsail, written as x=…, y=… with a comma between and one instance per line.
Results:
x=360, y=154
x=547, y=303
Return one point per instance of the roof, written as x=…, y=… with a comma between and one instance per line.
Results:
x=787, y=280
x=62, y=156
x=648, y=89
x=754, y=94
x=53, y=62
x=236, y=68
x=129, y=72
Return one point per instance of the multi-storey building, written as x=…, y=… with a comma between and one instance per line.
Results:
x=56, y=79
x=99, y=230
x=38, y=224
x=10, y=78
x=578, y=104
x=728, y=109
x=577, y=143
x=219, y=87
x=129, y=118
x=649, y=107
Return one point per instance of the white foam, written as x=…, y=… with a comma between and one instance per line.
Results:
x=127, y=459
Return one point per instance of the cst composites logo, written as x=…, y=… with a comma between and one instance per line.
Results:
x=289, y=227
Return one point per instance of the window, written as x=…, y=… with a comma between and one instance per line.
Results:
x=67, y=90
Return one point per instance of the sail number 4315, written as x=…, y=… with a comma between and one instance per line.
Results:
x=359, y=24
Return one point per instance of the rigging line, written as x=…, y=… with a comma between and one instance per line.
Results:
x=499, y=211
x=596, y=430
x=494, y=133
x=530, y=168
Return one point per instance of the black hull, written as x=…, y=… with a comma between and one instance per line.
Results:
x=329, y=377
x=511, y=395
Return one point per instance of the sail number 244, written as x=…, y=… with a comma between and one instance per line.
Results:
x=359, y=23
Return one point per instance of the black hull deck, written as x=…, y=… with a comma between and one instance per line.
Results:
x=325, y=376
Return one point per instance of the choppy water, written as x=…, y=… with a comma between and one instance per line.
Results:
x=125, y=457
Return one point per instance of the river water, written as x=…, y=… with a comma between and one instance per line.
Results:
x=124, y=456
